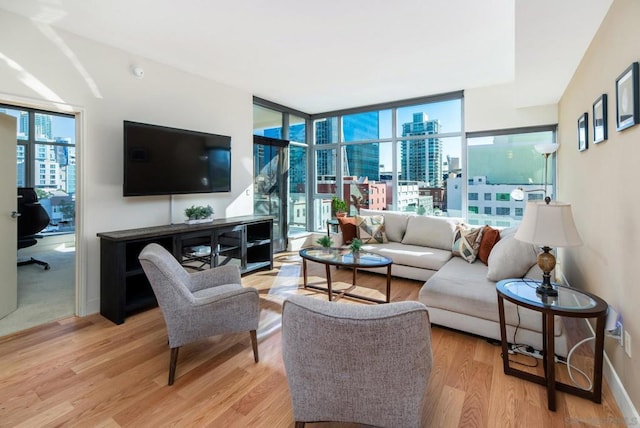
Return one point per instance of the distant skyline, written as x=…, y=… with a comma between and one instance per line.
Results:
x=61, y=126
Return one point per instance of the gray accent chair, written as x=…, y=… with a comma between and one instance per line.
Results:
x=201, y=304
x=357, y=363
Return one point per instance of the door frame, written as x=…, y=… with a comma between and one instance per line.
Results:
x=80, y=253
x=283, y=164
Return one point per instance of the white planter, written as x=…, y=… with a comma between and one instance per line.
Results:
x=200, y=220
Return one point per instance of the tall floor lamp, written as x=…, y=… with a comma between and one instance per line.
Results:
x=545, y=149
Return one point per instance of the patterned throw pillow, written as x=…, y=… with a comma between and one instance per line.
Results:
x=466, y=242
x=371, y=229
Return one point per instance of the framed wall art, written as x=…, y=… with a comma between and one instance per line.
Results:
x=627, y=98
x=583, y=132
x=599, y=115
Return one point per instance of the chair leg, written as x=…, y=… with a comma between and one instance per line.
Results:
x=299, y=424
x=33, y=261
x=172, y=364
x=254, y=344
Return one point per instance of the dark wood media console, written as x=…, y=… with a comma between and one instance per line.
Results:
x=245, y=241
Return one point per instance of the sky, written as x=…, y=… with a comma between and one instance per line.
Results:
x=61, y=126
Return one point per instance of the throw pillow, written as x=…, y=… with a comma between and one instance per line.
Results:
x=395, y=225
x=466, y=242
x=371, y=229
x=348, y=228
x=510, y=258
x=490, y=237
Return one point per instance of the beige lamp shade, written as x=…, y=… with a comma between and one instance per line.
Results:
x=549, y=225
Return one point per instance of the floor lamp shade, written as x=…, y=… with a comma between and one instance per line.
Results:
x=548, y=224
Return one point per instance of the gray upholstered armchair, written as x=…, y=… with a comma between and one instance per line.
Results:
x=201, y=304
x=356, y=363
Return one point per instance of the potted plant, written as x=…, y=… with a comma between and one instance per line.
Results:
x=198, y=214
x=325, y=241
x=339, y=206
x=355, y=246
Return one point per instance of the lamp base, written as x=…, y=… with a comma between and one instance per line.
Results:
x=546, y=263
x=546, y=291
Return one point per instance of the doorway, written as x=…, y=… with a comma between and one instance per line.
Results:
x=270, y=180
x=46, y=162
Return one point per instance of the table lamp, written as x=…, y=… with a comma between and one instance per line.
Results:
x=548, y=224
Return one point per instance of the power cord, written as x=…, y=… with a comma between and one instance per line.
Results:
x=570, y=367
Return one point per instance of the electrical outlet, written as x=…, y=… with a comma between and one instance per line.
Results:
x=622, y=333
x=627, y=343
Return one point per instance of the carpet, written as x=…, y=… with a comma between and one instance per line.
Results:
x=43, y=295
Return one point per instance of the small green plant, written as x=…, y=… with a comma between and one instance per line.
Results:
x=356, y=245
x=199, y=212
x=421, y=210
x=325, y=241
x=338, y=205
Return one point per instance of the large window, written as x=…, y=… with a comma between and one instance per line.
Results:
x=397, y=156
x=414, y=156
x=46, y=161
x=498, y=163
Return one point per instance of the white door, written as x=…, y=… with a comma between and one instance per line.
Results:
x=8, y=223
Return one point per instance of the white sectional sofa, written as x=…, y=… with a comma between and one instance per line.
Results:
x=459, y=294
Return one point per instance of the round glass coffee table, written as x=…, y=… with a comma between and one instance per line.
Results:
x=342, y=257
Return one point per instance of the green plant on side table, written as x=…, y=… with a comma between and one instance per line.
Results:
x=325, y=241
x=356, y=245
x=339, y=206
x=198, y=214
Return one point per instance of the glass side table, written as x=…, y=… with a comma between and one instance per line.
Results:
x=570, y=302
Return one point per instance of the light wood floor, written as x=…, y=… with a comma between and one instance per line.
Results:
x=91, y=372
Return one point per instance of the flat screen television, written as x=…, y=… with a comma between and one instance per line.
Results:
x=159, y=160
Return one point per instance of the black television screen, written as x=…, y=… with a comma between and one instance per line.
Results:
x=163, y=161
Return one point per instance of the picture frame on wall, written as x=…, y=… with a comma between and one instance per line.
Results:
x=627, y=98
x=583, y=132
x=599, y=115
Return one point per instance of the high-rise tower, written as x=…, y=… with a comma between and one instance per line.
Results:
x=422, y=159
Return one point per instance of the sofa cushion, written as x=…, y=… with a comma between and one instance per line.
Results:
x=490, y=237
x=411, y=255
x=348, y=228
x=466, y=242
x=371, y=229
x=510, y=258
x=464, y=288
x=427, y=231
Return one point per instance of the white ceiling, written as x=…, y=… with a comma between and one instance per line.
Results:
x=322, y=56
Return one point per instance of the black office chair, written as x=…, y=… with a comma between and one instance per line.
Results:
x=32, y=219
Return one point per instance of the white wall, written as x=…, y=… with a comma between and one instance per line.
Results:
x=494, y=107
x=37, y=69
x=601, y=185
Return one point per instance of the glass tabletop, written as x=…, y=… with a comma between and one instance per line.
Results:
x=344, y=257
x=568, y=299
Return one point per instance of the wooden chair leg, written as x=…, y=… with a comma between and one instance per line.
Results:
x=299, y=424
x=254, y=344
x=172, y=364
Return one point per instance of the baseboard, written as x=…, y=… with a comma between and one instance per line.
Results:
x=628, y=410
